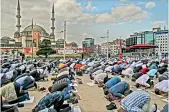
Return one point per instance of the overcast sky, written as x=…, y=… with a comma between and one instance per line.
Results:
x=87, y=18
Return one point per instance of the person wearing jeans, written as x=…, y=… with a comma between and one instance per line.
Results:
x=55, y=98
x=118, y=91
x=25, y=81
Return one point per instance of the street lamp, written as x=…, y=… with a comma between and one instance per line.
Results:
x=107, y=44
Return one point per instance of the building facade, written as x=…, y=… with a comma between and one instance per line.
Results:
x=88, y=43
x=97, y=48
x=162, y=42
x=114, y=47
x=22, y=39
x=146, y=37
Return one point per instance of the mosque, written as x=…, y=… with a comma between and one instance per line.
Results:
x=24, y=38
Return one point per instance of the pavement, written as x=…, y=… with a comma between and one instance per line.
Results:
x=92, y=98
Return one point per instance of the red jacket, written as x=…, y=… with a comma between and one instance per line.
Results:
x=144, y=70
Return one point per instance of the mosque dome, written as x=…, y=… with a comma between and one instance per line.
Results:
x=16, y=34
x=74, y=44
x=5, y=38
x=60, y=41
x=36, y=28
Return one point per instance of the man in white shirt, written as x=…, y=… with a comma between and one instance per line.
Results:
x=97, y=72
x=161, y=88
x=143, y=81
x=100, y=77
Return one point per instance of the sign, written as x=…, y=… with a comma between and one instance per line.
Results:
x=70, y=51
x=36, y=38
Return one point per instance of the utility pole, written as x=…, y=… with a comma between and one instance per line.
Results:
x=64, y=39
x=107, y=44
x=121, y=55
x=32, y=38
x=159, y=50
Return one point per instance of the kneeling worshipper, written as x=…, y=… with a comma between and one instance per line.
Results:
x=25, y=81
x=113, y=81
x=164, y=76
x=60, y=77
x=129, y=71
x=123, y=65
x=118, y=91
x=143, y=80
x=117, y=69
x=94, y=70
x=162, y=69
x=7, y=76
x=62, y=85
x=153, y=66
x=37, y=74
x=63, y=73
x=95, y=73
x=137, y=69
x=14, y=93
x=137, y=101
x=136, y=76
x=55, y=99
x=99, y=78
x=152, y=73
x=161, y=88
x=144, y=69
x=89, y=69
x=109, y=69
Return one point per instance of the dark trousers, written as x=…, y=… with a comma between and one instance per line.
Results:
x=58, y=104
x=9, y=109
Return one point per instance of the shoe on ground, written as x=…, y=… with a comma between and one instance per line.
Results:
x=67, y=109
x=111, y=106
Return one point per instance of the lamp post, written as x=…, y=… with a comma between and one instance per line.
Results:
x=64, y=31
x=107, y=43
x=32, y=38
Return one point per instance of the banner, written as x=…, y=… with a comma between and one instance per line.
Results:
x=36, y=38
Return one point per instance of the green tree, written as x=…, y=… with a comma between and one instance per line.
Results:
x=45, y=48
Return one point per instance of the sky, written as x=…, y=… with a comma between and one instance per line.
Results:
x=87, y=18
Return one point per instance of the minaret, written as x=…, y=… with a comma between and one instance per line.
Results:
x=53, y=20
x=18, y=25
x=18, y=16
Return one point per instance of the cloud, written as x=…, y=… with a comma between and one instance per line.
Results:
x=71, y=11
x=123, y=0
x=90, y=6
x=158, y=23
x=150, y=5
x=118, y=14
x=141, y=3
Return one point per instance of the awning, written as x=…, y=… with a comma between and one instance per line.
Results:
x=142, y=46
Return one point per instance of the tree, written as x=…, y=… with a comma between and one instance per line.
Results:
x=45, y=48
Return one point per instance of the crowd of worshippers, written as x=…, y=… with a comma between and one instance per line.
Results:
x=145, y=73
x=17, y=77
